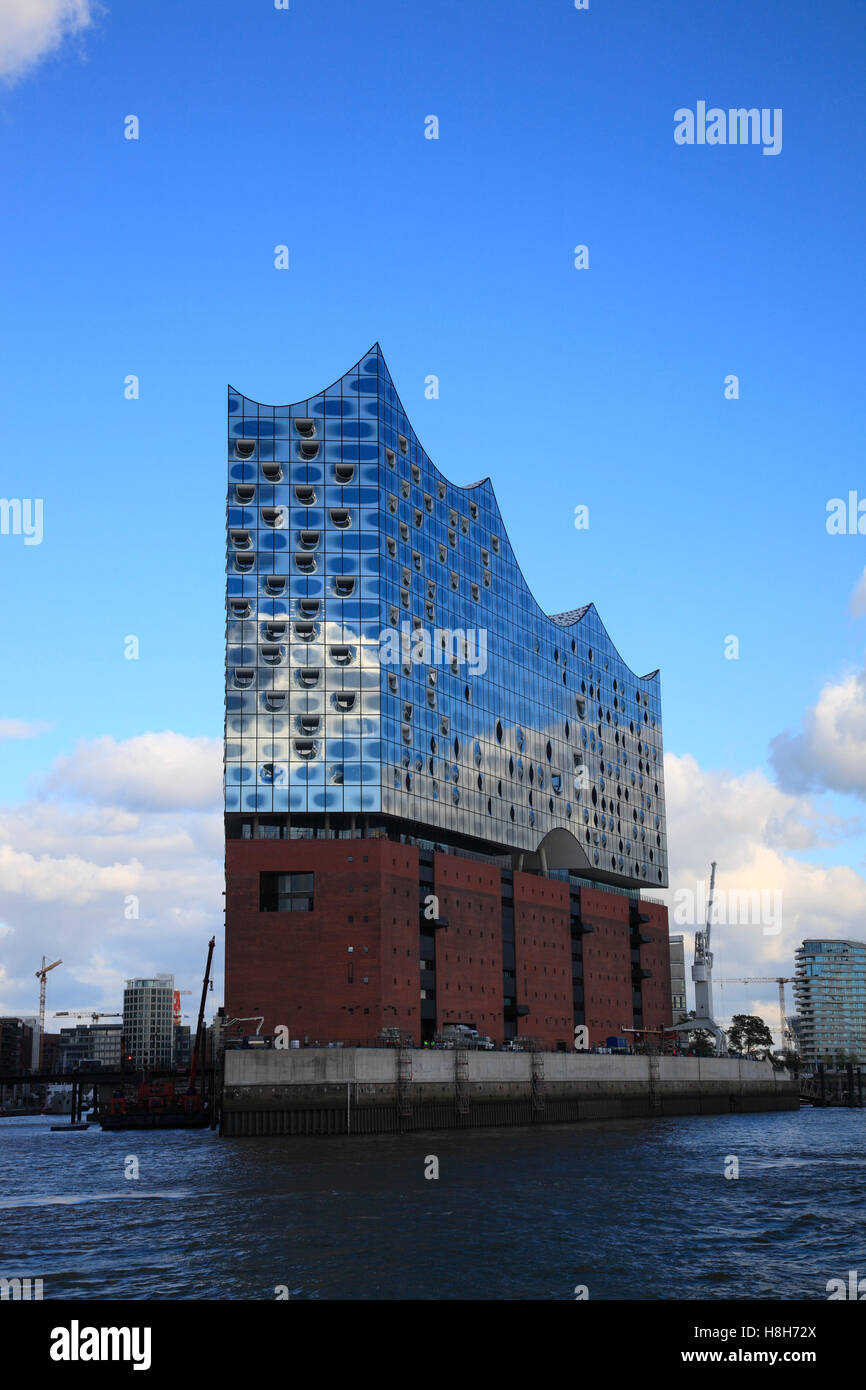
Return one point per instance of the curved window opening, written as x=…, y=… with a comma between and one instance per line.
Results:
x=241, y=540
x=244, y=677
x=306, y=563
x=273, y=517
x=274, y=631
x=390, y=457
x=308, y=452
x=244, y=562
x=308, y=540
x=309, y=607
x=308, y=676
x=344, y=585
x=245, y=492
x=273, y=472
x=276, y=700
x=245, y=448
x=241, y=608
x=305, y=495
x=309, y=723
x=341, y=518
x=305, y=427
x=403, y=443
x=275, y=583
x=341, y=655
x=306, y=632
x=344, y=472
x=305, y=748
x=273, y=655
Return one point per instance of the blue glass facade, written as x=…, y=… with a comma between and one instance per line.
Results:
x=386, y=659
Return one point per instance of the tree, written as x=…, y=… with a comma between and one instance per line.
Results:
x=748, y=1031
x=700, y=1041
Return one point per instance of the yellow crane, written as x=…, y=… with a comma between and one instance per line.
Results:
x=786, y=1037
x=40, y=975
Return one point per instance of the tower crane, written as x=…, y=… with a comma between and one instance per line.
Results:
x=786, y=1036
x=85, y=1013
x=40, y=975
x=702, y=978
x=176, y=1004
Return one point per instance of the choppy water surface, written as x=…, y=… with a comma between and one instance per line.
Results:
x=632, y=1209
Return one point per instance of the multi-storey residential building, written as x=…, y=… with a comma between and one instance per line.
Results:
x=90, y=1044
x=442, y=805
x=148, y=1021
x=679, y=1004
x=830, y=993
x=16, y=1046
x=182, y=1045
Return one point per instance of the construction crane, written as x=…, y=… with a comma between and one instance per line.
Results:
x=84, y=1013
x=786, y=1036
x=40, y=975
x=702, y=978
x=176, y=1005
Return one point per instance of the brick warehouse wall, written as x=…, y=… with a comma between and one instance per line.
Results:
x=656, y=956
x=542, y=938
x=469, y=949
x=296, y=969
x=606, y=964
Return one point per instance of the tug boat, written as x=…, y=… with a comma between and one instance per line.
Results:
x=158, y=1103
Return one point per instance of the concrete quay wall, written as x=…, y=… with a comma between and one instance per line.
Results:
x=371, y=1090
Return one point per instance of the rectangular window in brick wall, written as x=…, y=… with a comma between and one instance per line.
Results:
x=285, y=892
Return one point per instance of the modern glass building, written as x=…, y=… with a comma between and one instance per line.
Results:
x=830, y=993
x=388, y=667
x=148, y=1021
x=679, y=1004
x=90, y=1044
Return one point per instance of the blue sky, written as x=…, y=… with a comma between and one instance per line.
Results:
x=604, y=387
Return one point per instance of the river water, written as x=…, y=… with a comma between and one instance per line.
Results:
x=637, y=1209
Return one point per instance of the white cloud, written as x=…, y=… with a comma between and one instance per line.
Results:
x=69, y=870
x=757, y=833
x=31, y=30
x=20, y=728
x=829, y=752
x=857, y=607
x=152, y=772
